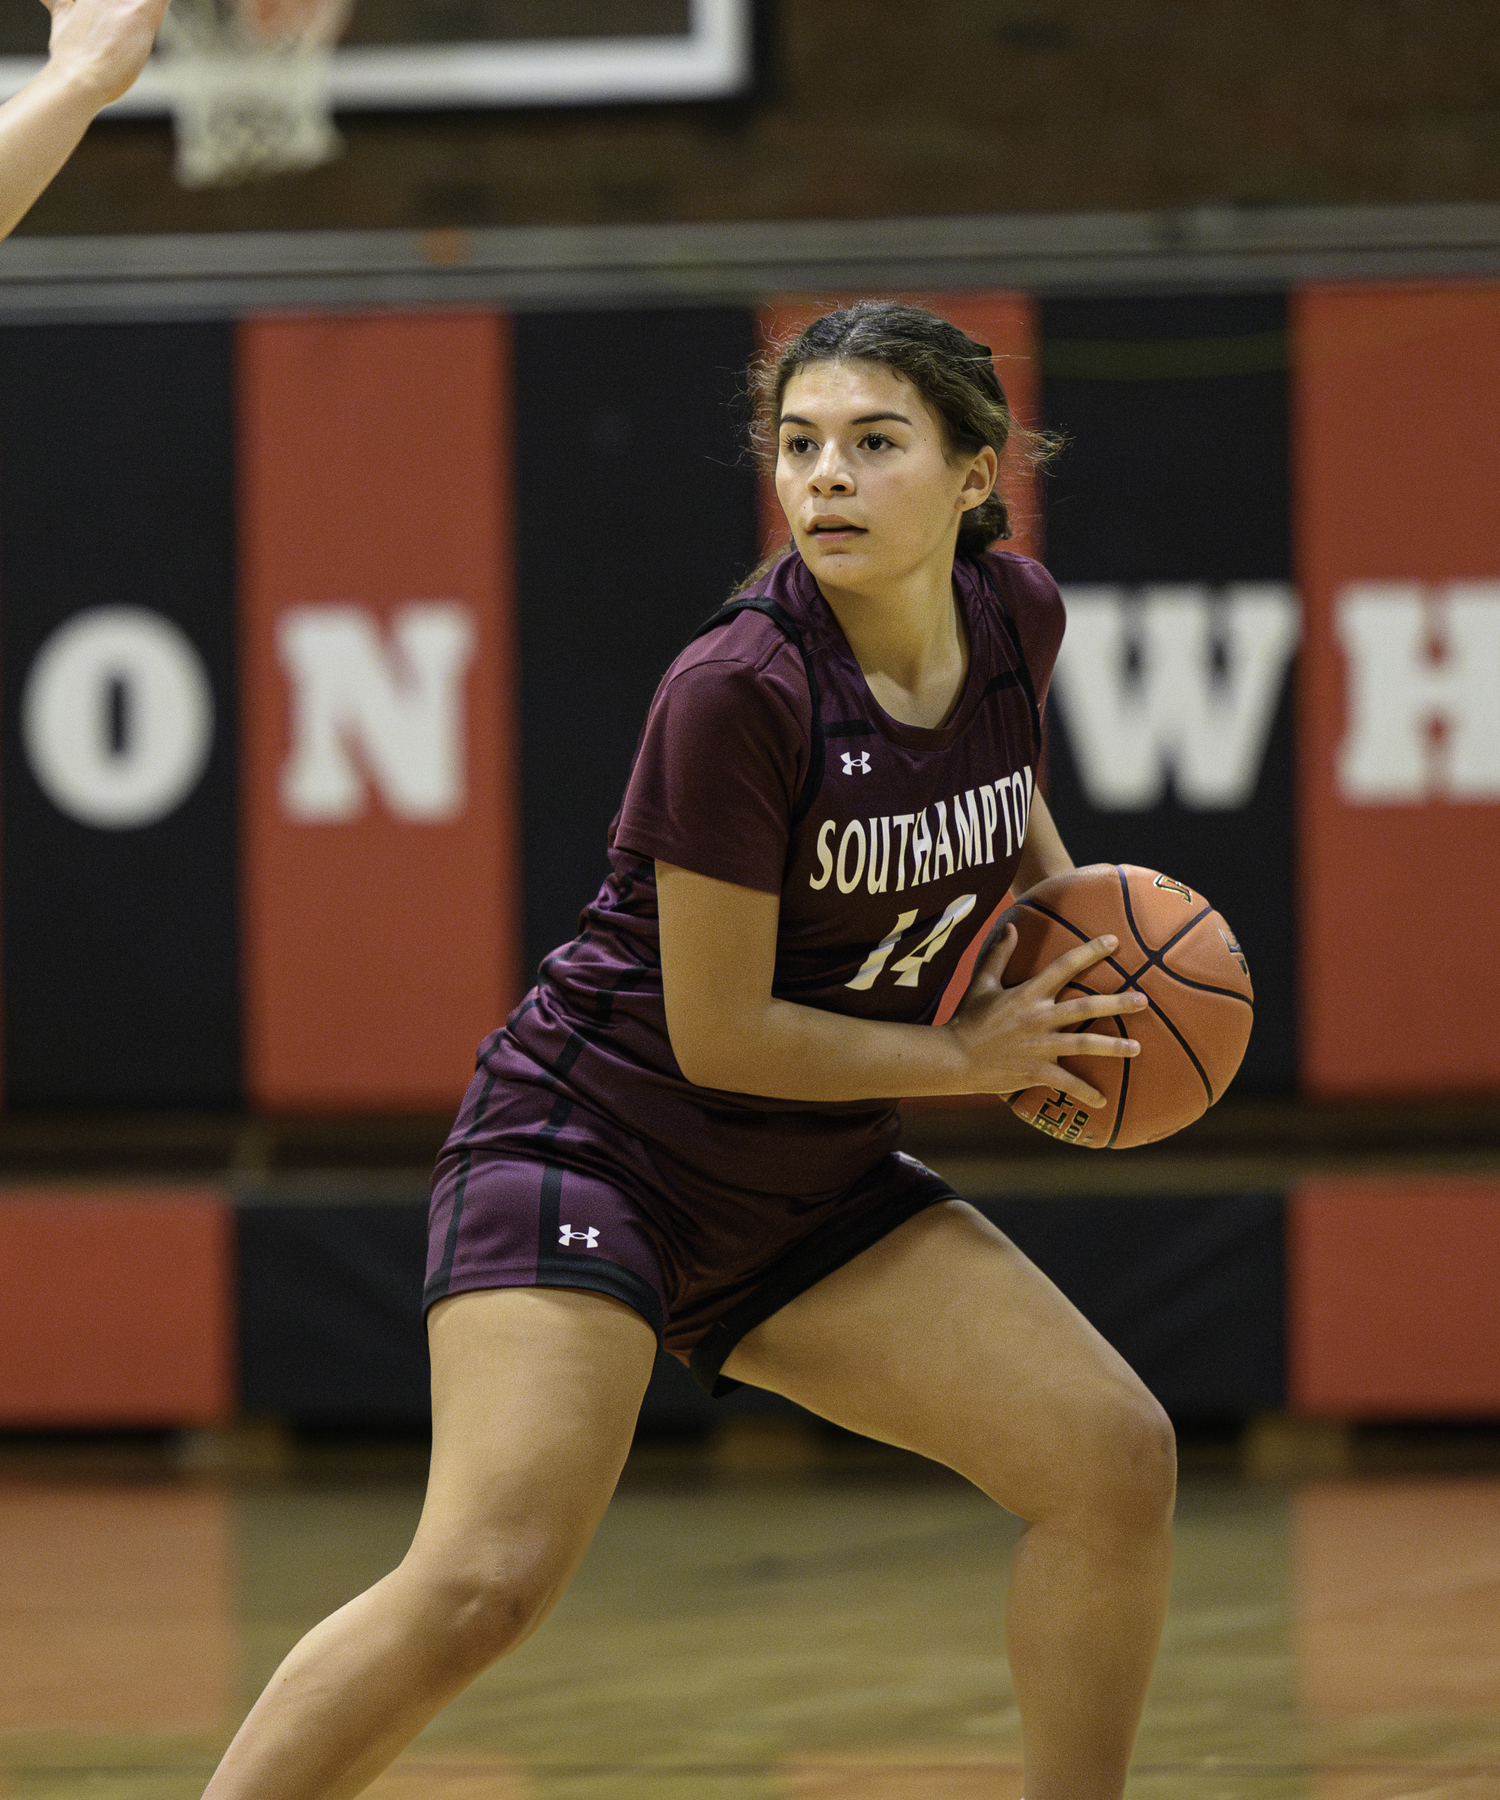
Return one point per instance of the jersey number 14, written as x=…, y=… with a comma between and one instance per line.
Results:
x=908, y=969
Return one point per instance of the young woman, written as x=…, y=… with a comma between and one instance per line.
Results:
x=98, y=48
x=681, y=1133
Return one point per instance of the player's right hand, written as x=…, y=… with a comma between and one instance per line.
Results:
x=1014, y=1037
x=103, y=44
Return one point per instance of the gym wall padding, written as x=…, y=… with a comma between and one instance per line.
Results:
x=635, y=516
x=381, y=892
x=1174, y=477
x=583, y=516
x=1399, y=729
x=1188, y=1288
x=1391, y=1298
x=116, y=1308
x=121, y=943
x=138, y=1307
x=330, y=1310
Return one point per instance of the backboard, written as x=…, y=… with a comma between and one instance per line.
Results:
x=421, y=54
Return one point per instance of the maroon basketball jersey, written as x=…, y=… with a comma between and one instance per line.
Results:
x=888, y=858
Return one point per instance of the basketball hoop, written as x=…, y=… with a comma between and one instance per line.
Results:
x=250, y=81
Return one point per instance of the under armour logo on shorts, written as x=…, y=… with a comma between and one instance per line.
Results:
x=589, y=1238
x=860, y=762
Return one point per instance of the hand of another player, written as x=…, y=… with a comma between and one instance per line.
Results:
x=1015, y=1036
x=103, y=44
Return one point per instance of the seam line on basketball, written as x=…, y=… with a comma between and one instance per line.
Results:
x=1156, y=959
x=1124, y=1096
x=1110, y=963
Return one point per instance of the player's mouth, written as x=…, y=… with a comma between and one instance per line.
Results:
x=834, y=531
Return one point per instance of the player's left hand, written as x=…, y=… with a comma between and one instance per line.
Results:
x=103, y=44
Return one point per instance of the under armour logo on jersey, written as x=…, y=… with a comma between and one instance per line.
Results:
x=860, y=762
x=589, y=1239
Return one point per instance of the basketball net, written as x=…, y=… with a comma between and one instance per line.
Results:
x=250, y=85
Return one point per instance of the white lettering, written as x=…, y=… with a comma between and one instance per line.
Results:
x=1424, y=692
x=966, y=824
x=921, y=849
x=904, y=820
x=991, y=820
x=1200, y=705
x=117, y=717
x=401, y=710
x=880, y=830
x=1002, y=788
x=875, y=961
x=943, y=847
x=912, y=963
x=854, y=832
x=825, y=855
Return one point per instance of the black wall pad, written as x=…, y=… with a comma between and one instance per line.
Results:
x=1189, y=1290
x=330, y=1299
x=635, y=514
x=121, y=949
x=1176, y=472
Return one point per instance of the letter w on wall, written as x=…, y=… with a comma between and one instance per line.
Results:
x=1173, y=682
x=366, y=713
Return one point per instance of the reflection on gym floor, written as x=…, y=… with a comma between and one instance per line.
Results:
x=796, y=1623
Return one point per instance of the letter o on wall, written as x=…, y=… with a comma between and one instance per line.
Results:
x=117, y=717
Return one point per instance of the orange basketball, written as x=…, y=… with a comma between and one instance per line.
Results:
x=1178, y=952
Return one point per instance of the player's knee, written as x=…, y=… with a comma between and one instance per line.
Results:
x=1135, y=1477
x=484, y=1610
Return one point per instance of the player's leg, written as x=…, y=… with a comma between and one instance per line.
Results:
x=535, y=1393
x=943, y=1338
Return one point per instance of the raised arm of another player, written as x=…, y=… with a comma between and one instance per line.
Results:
x=98, y=49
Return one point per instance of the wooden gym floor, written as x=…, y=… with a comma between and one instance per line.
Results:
x=774, y=1616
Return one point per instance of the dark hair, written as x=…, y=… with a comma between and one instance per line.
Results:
x=954, y=373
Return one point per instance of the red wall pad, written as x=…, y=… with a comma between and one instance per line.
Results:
x=1398, y=462
x=1391, y=1299
x=116, y=1308
x=380, y=929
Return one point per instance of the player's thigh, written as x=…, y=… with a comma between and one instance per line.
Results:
x=535, y=1394
x=945, y=1339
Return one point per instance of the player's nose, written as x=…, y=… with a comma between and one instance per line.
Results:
x=830, y=475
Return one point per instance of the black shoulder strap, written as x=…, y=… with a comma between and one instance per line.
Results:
x=1027, y=683
x=788, y=628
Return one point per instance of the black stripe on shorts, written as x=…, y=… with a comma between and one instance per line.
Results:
x=803, y=1267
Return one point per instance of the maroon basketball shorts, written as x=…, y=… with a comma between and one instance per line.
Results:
x=559, y=1196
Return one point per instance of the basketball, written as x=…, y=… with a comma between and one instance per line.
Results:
x=1177, y=951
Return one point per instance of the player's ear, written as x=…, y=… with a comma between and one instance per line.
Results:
x=980, y=481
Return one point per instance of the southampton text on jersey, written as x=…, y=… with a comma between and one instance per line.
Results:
x=906, y=850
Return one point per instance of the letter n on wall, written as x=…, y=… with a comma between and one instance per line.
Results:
x=380, y=905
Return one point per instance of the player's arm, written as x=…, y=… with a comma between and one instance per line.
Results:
x=729, y=1031
x=98, y=48
x=1043, y=853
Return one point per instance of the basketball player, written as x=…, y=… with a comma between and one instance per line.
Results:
x=98, y=48
x=680, y=1135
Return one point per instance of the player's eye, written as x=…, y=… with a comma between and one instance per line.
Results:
x=796, y=446
x=877, y=440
